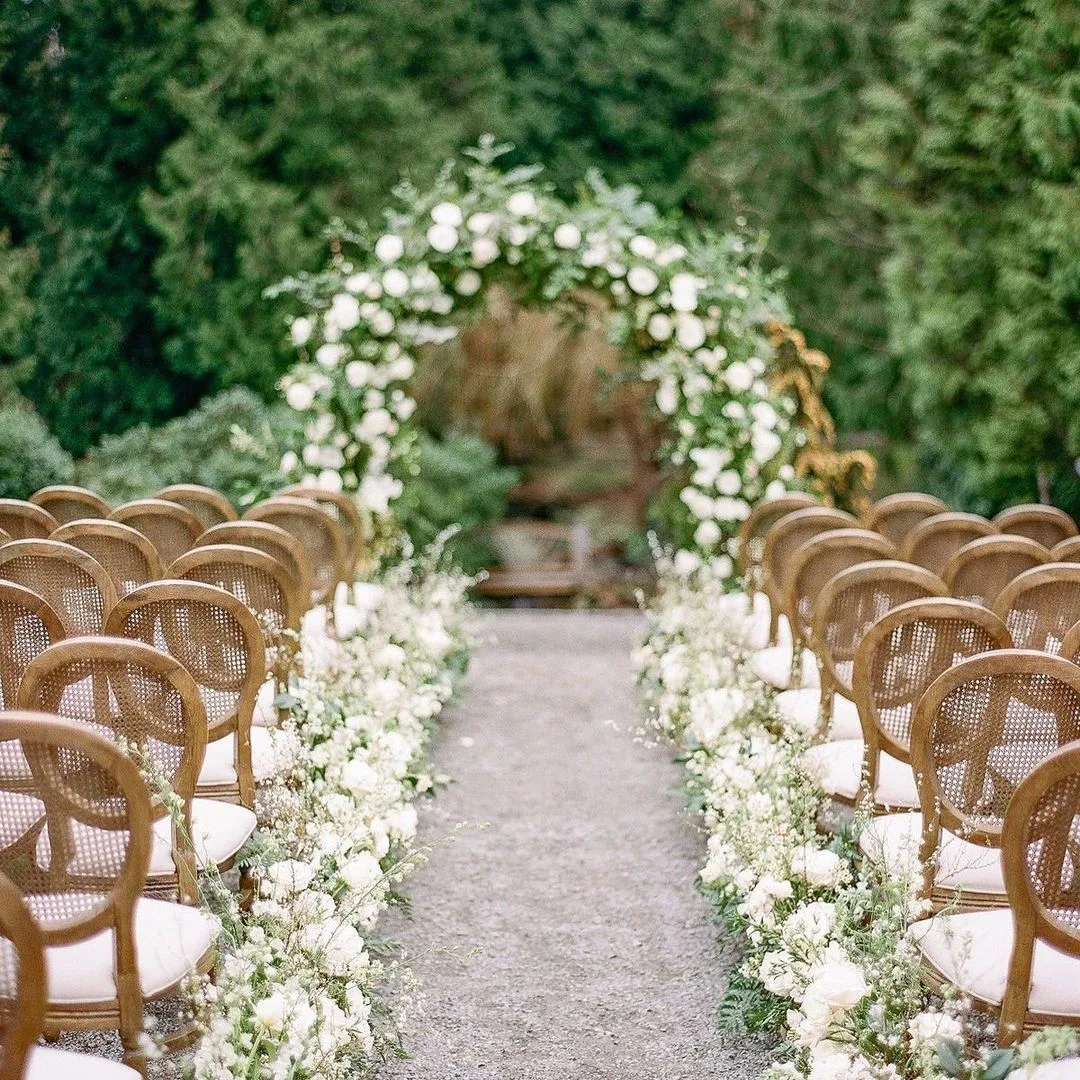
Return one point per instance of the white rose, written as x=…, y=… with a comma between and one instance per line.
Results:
x=644, y=247
x=667, y=395
x=837, y=983
x=447, y=213
x=289, y=461
x=299, y=396
x=357, y=283
x=358, y=777
x=395, y=282
x=642, y=280
x=468, y=283
x=401, y=368
x=777, y=974
x=739, y=376
x=270, y=1013
x=690, y=333
x=381, y=323
x=442, y=238
x=671, y=254
x=480, y=222
x=685, y=562
x=729, y=482
x=818, y=866
x=329, y=480
x=329, y=356
x=344, y=311
x=522, y=204
x=659, y=327
x=286, y=878
x=389, y=247
x=358, y=373
x=931, y=1028
x=567, y=236
x=362, y=872
x=731, y=509
x=377, y=492
x=300, y=331
x=707, y=534
x=484, y=251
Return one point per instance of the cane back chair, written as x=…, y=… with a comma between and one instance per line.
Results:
x=208, y=505
x=23, y=520
x=982, y=568
x=896, y=515
x=936, y=539
x=765, y=514
x=67, y=503
x=1039, y=606
x=128, y=556
x=344, y=511
x=167, y=525
x=1046, y=524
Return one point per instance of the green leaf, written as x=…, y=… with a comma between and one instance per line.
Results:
x=998, y=1065
x=949, y=1054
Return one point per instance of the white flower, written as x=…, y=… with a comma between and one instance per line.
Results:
x=443, y=238
x=931, y=1028
x=381, y=323
x=329, y=480
x=344, y=311
x=836, y=983
x=299, y=396
x=358, y=373
x=567, y=236
x=468, y=283
x=659, y=327
x=729, y=482
x=329, y=356
x=377, y=492
x=671, y=254
x=484, y=251
x=667, y=395
x=361, y=872
x=289, y=461
x=712, y=710
x=358, y=777
x=395, y=282
x=480, y=222
x=685, y=562
x=358, y=283
x=818, y=866
x=522, y=204
x=270, y=1013
x=690, y=332
x=300, y=331
x=707, y=534
x=727, y=509
x=644, y=247
x=286, y=878
x=401, y=368
x=447, y=213
x=739, y=376
x=777, y=973
x=642, y=280
x=389, y=247
x=684, y=292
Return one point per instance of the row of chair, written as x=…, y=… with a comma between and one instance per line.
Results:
x=113, y=641
x=953, y=719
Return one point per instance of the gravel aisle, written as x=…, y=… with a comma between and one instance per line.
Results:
x=594, y=956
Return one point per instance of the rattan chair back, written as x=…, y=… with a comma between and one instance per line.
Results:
x=23, y=520
x=321, y=536
x=274, y=540
x=982, y=568
x=896, y=515
x=1039, y=606
x=783, y=539
x=67, y=503
x=28, y=626
x=1046, y=524
x=822, y=557
x=5, y=537
x=167, y=525
x=344, y=511
x=208, y=505
x=850, y=603
x=904, y=652
x=128, y=557
x=764, y=515
x=1040, y=843
x=220, y=644
x=74, y=584
x=1067, y=550
x=936, y=539
x=22, y=981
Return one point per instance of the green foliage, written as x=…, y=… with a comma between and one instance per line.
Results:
x=30, y=458
x=973, y=152
x=455, y=480
x=227, y=443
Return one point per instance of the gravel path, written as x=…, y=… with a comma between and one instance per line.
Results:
x=593, y=955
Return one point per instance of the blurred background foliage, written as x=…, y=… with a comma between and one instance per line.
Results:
x=913, y=164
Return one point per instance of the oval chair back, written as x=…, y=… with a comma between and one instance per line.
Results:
x=982, y=568
x=936, y=539
x=167, y=525
x=67, y=503
x=126, y=554
x=896, y=515
x=23, y=520
x=208, y=505
x=1045, y=524
x=1039, y=606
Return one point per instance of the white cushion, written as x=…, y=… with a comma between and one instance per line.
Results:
x=802, y=707
x=266, y=714
x=170, y=940
x=49, y=1063
x=219, y=764
x=218, y=830
x=1065, y=1069
x=971, y=950
x=837, y=766
x=893, y=839
x=773, y=666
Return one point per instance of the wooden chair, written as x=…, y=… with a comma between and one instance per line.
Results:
x=5, y=537
x=219, y=642
x=896, y=515
x=1039, y=606
x=23, y=520
x=167, y=525
x=782, y=540
x=128, y=557
x=982, y=568
x=1046, y=524
x=1023, y=962
x=108, y=950
x=147, y=700
x=936, y=539
x=22, y=1004
x=752, y=531
x=272, y=539
x=320, y=535
x=261, y=583
x=28, y=626
x=67, y=503
x=1067, y=550
x=74, y=584
x=208, y=505
x=344, y=511
x=978, y=730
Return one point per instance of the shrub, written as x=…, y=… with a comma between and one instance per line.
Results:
x=230, y=442
x=30, y=458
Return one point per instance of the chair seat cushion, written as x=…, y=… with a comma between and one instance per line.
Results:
x=837, y=766
x=170, y=941
x=971, y=950
x=802, y=707
x=49, y=1063
x=219, y=764
x=266, y=714
x=218, y=830
x=893, y=839
x=773, y=666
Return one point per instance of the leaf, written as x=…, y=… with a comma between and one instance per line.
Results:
x=998, y=1065
x=948, y=1055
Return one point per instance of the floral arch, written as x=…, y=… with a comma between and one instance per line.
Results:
x=688, y=309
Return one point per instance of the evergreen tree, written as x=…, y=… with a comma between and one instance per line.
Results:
x=298, y=111
x=974, y=153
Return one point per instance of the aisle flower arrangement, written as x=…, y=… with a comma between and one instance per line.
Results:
x=300, y=988
x=828, y=966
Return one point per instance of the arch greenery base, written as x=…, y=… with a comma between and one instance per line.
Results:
x=686, y=307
